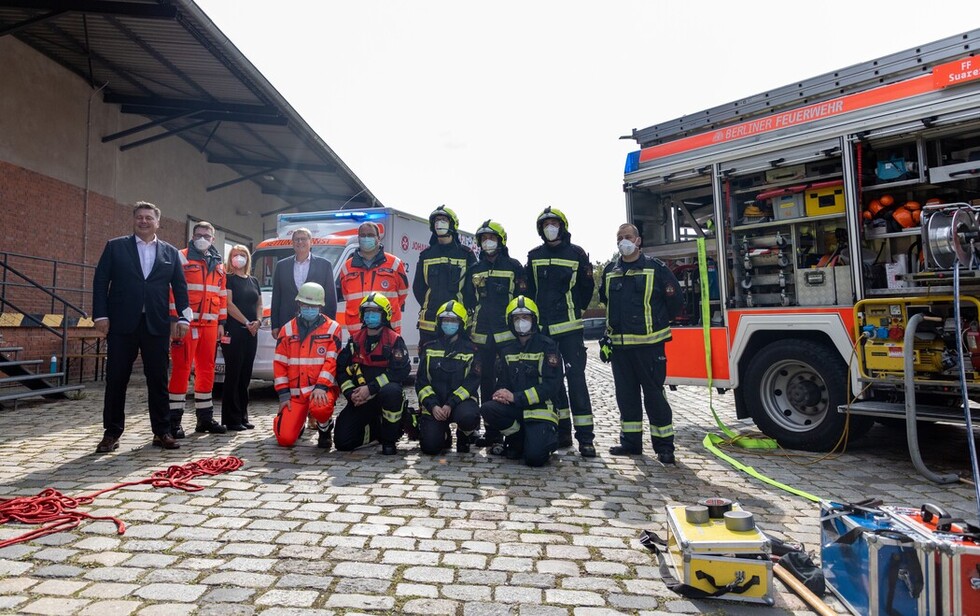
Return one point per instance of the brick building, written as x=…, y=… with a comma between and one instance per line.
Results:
x=118, y=101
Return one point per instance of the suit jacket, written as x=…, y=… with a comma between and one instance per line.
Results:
x=284, y=289
x=120, y=292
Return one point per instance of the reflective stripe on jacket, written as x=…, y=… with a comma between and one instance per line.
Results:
x=559, y=280
x=641, y=298
x=304, y=363
x=533, y=373
x=206, y=292
x=385, y=274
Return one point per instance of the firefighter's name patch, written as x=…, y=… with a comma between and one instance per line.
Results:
x=553, y=360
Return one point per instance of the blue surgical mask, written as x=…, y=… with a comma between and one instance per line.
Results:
x=372, y=320
x=450, y=328
x=309, y=313
x=367, y=243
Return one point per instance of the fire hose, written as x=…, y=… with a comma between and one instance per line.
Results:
x=58, y=512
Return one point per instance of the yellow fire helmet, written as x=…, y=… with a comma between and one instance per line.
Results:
x=522, y=305
x=442, y=210
x=493, y=227
x=452, y=308
x=379, y=301
x=551, y=212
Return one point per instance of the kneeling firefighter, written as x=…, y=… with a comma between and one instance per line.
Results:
x=305, y=369
x=529, y=374
x=447, y=383
x=371, y=369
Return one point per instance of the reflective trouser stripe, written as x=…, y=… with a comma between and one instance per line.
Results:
x=564, y=413
x=632, y=426
x=662, y=431
x=202, y=401
x=177, y=401
x=511, y=429
x=582, y=420
x=392, y=416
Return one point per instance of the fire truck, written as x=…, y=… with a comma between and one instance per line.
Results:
x=837, y=223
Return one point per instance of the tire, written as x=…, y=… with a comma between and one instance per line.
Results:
x=793, y=388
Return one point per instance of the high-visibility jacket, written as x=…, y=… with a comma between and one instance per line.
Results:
x=374, y=361
x=206, y=291
x=533, y=373
x=306, y=359
x=384, y=274
x=559, y=280
x=489, y=287
x=449, y=372
x=641, y=299
x=439, y=277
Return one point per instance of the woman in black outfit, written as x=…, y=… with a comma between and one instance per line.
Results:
x=244, y=312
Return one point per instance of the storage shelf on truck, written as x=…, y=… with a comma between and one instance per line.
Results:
x=792, y=221
x=787, y=184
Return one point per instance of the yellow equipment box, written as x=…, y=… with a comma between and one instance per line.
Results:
x=887, y=356
x=824, y=200
x=709, y=557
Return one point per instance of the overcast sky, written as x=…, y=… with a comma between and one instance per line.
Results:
x=500, y=109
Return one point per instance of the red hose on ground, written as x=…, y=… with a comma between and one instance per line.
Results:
x=57, y=512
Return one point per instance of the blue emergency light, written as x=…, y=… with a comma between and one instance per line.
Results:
x=319, y=216
x=632, y=161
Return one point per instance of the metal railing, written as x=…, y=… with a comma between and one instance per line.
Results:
x=18, y=288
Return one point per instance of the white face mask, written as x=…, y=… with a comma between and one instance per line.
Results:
x=441, y=227
x=202, y=244
x=239, y=261
x=626, y=247
x=522, y=326
x=551, y=232
x=489, y=245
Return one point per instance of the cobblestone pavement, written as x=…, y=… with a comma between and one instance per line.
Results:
x=298, y=531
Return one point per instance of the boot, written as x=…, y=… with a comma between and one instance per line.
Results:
x=324, y=439
x=388, y=449
x=462, y=442
x=210, y=426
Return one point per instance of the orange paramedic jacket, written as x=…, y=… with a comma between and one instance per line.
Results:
x=206, y=292
x=385, y=274
x=303, y=364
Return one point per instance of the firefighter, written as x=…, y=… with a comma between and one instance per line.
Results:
x=371, y=369
x=441, y=270
x=641, y=296
x=490, y=284
x=447, y=383
x=207, y=295
x=559, y=279
x=372, y=270
x=305, y=370
x=529, y=375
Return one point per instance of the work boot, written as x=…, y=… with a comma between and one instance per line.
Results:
x=324, y=439
x=178, y=432
x=462, y=442
x=667, y=457
x=210, y=426
x=388, y=449
x=564, y=440
x=623, y=450
x=514, y=448
x=587, y=450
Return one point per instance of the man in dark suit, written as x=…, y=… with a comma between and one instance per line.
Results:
x=292, y=272
x=131, y=306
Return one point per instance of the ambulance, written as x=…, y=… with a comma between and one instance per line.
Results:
x=335, y=239
x=809, y=227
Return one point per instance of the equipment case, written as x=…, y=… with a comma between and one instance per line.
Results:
x=876, y=565
x=957, y=558
x=709, y=557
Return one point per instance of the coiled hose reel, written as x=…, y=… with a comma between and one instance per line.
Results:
x=949, y=234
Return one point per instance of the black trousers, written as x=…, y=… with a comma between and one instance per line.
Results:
x=537, y=439
x=239, y=356
x=122, y=350
x=636, y=370
x=573, y=354
x=432, y=432
x=379, y=419
x=487, y=354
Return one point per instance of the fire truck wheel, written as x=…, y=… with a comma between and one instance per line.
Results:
x=793, y=387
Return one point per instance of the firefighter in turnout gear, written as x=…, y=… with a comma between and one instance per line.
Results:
x=490, y=284
x=447, y=383
x=371, y=369
x=372, y=270
x=305, y=370
x=559, y=279
x=207, y=296
x=641, y=296
x=441, y=270
x=529, y=375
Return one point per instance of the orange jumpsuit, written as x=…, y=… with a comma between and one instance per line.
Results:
x=208, y=299
x=384, y=274
x=305, y=360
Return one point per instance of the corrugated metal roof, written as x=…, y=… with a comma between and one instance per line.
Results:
x=167, y=61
